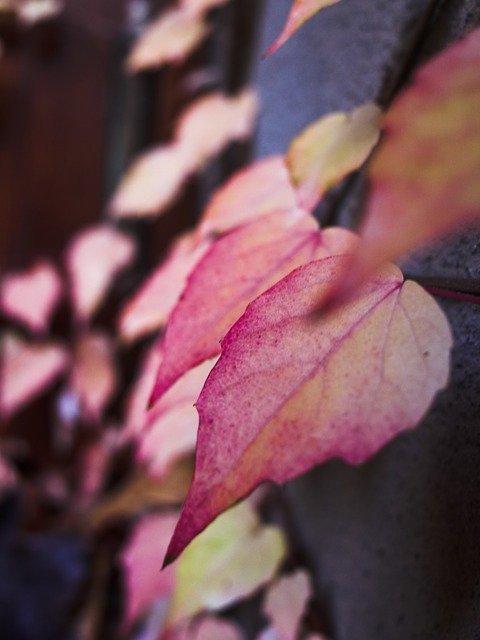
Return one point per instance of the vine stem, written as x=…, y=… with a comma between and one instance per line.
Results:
x=459, y=289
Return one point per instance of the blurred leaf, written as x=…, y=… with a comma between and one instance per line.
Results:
x=232, y=558
x=425, y=175
x=94, y=258
x=212, y=121
x=152, y=182
x=93, y=379
x=31, y=296
x=207, y=628
x=169, y=38
x=144, y=582
x=170, y=428
x=151, y=306
x=261, y=188
x=294, y=388
x=204, y=129
x=329, y=149
x=26, y=370
x=32, y=12
x=201, y=7
x=141, y=494
x=285, y=603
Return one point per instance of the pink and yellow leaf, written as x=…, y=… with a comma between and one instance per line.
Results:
x=294, y=388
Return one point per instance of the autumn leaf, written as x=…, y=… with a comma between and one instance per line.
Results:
x=300, y=12
x=425, y=175
x=203, y=130
x=236, y=269
x=212, y=121
x=93, y=379
x=231, y=559
x=94, y=257
x=329, y=149
x=285, y=604
x=170, y=428
x=141, y=494
x=31, y=296
x=169, y=38
x=144, y=582
x=8, y=477
x=31, y=12
x=205, y=628
x=261, y=188
x=26, y=370
x=152, y=182
x=293, y=388
x=200, y=7
x=151, y=306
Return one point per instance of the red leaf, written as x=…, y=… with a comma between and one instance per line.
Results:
x=94, y=258
x=261, y=188
x=151, y=306
x=169, y=38
x=425, y=175
x=31, y=296
x=301, y=11
x=26, y=370
x=93, y=379
x=293, y=389
x=235, y=270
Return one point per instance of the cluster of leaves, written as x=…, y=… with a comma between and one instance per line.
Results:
x=295, y=344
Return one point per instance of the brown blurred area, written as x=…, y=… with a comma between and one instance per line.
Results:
x=70, y=120
x=53, y=111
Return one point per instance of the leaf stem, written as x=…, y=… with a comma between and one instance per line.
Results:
x=459, y=289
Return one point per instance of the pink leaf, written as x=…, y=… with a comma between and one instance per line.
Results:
x=425, y=175
x=137, y=407
x=152, y=182
x=170, y=428
x=259, y=189
x=169, y=38
x=208, y=628
x=8, y=476
x=235, y=270
x=204, y=128
x=31, y=296
x=145, y=583
x=93, y=259
x=211, y=122
x=285, y=604
x=150, y=308
x=200, y=7
x=26, y=370
x=293, y=388
x=301, y=11
x=93, y=379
